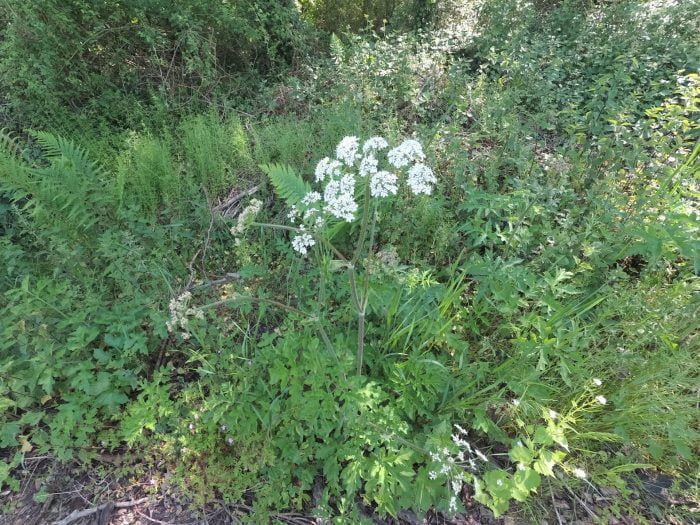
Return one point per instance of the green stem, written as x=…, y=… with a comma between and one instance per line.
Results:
x=319, y=238
x=360, y=342
x=261, y=300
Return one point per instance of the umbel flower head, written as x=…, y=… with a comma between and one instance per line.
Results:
x=356, y=167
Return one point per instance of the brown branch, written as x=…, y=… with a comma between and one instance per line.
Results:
x=232, y=200
x=77, y=514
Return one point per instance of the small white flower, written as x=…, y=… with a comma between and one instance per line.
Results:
x=339, y=197
x=347, y=150
x=516, y=402
x=246, y=217
x=601, y=400
x=421, y=179
x=553, y=414
x=311, y=198
x=310, y=213
x=383, y=184
x=374, y=144
x=580, y=473
x=223, y=428
x=432, y=474
x=597, y=382
x=456, y=486
x=408, y=151
x=521, y=466
x=368, y=165
x=229, y=440
x=480, y=455
x=303, y=242
x=499, y=482
x=453, y=504
x=434, y=456
x=327, y=167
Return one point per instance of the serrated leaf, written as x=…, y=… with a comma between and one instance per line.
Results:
x=287, y=184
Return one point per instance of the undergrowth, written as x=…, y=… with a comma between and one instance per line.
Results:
x=528, y=329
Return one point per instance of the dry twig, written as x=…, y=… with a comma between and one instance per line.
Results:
x=77, y=514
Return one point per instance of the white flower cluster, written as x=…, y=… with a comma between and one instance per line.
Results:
x=452, y=466
x=356, y=165
x=246, y=216
x=180, y=314
x=303, y=242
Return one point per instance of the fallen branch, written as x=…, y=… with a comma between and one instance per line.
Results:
x=77, y=514
x=228, y=207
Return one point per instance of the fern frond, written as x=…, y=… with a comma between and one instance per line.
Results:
x=14, y=180
x=55, y=147
x=287, y=184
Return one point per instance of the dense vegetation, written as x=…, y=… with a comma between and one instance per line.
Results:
x=525, y=326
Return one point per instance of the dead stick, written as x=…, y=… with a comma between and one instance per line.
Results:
x=77, y=514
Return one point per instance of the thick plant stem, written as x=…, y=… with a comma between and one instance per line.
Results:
x=360, y=341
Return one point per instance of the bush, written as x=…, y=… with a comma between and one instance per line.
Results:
x=79, y=62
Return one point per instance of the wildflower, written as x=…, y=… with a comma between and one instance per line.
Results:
x=456, y=486
x=180, y=314
x=368, y=165
x=223, y=428
x=580, y=473
x=246, y=217
x=432, y=474
x=408, y=151
x=303, y=242
x=460, y=429
x=374, y=144
x=383, y=184
x=434, y=456
x=292, y=214
x=339, y=197
x=420, y=179
x=453, y=504
x=597, y=382
x=516, y=402
x=481, y=456
x=553, y=414
x=347, y=150
x=327, y=168
x=311, y=198
x=229, y=440
x=601, y=400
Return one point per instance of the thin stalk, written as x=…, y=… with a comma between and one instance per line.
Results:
x=363, y=226
x=360, y=341
x=322, y=240
x=261, y=300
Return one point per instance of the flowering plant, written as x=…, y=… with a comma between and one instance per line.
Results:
x=350, y=187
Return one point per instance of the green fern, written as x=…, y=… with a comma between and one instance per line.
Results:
x=55, y=148
x=288, y=185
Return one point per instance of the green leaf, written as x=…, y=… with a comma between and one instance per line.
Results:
x=521, y=454
x=287, y=184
